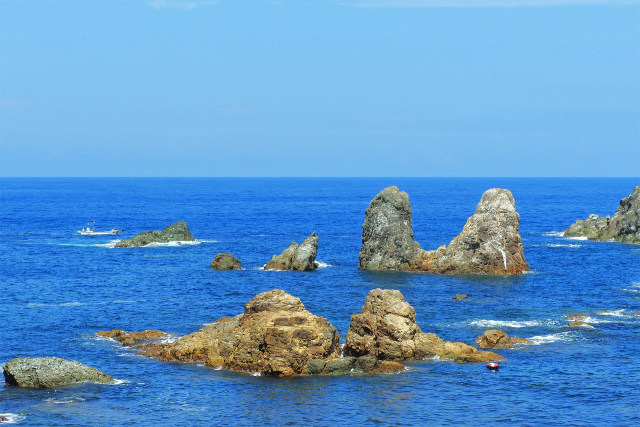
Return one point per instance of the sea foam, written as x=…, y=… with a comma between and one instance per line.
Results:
x=12, y=418
x=485, y=323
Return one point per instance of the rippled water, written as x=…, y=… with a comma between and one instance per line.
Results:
x=59, y=288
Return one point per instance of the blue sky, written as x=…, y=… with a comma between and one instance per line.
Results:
x=320, y=88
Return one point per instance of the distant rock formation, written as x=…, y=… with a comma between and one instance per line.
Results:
x=296, y=257
x=178, y=232
x=47, y=372
x=495, y=338
x=489, y=243
x=386, y=329
x=277, y=336
x=623, y=227
x=226, y=261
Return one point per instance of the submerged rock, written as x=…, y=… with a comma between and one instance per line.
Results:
x=460, y=296
x=574, y=316
x=624, y=226
x=133, y=338
x=225, y=261
x=47, y=372
x=386, y=329
x=495, y=338
x=580, y=323
x=489, y=243
x=296, y=257
x=178, y=232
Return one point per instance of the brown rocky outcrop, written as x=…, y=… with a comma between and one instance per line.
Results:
x=575, y=316
x=276, y=335
x=296, y=257
x=225, y=261
x=133, y=338
x=386, y=329
x=460, y=296
x=495, y=338
x=489, y=243
x=580, y=323
x=624, y=226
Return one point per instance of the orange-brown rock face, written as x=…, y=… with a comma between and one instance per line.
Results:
x=133, y=338
x=275, y=335
x=386, y=329
x=495, y=338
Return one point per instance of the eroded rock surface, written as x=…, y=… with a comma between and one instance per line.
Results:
x=47, y=372
x=386, y=329
x=226, y=261
x=489, y=243
x=624, y=226
x=296, y=257
x=495, y=338
x=178, y=232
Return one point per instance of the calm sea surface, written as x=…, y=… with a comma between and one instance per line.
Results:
x=59, y=288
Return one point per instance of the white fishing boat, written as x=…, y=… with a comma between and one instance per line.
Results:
x=91, y=231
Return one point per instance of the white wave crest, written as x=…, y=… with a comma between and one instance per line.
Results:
x=546, y=339
x=12, y=418
x=635, y=284
x=568, y=245
x=323, y=264
x=554, y=233
x=61, y=304
x=256, y=374
x=578, y=238
x=119, y=382
x=615, y=313
x=637, y=291
x=65, y=401
x=485, y=323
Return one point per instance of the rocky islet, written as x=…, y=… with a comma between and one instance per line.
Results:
x=177, y=232
x=277, y=336
x=623, y=227
x=489, y=243
x=48, y=372
x=296, y=257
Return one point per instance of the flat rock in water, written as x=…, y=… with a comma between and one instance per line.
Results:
x=178, y=232
x=47, y=372
x=623, y=227
x=495, y=338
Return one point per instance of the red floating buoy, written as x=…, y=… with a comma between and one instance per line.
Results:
x=493, y=366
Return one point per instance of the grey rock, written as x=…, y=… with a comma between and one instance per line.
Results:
x=296, y=257
x=489, y=243
x=178, y=232
x=47, y=372
x=225, y=261
x=624, y=226
x=387, y=234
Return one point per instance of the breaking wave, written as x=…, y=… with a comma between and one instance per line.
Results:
x=485, y=323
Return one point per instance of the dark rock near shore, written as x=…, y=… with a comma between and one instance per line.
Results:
x=386, y=329
x=296, y=257
x=47, y=372
x=495, y=338
x=178, y=232
x=489, y=243
x=623, y=227
x=225, y=261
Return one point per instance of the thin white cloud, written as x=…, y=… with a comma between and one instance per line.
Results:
x=480, y=3
x=180, y=4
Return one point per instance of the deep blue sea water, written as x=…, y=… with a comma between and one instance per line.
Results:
x=59, y=288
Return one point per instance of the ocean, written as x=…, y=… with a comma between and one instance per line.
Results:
x=59, y=288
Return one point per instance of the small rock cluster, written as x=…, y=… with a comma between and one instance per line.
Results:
x=296, y=257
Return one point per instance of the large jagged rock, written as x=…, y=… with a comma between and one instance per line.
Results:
x=386, y=329
x=275, y=335
x=178, y=232
x=495, y=338
x=489, y=243
x=624, y=226
x=296, y=257
x=225, y=261
x=387, y=234
x=47, y=372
